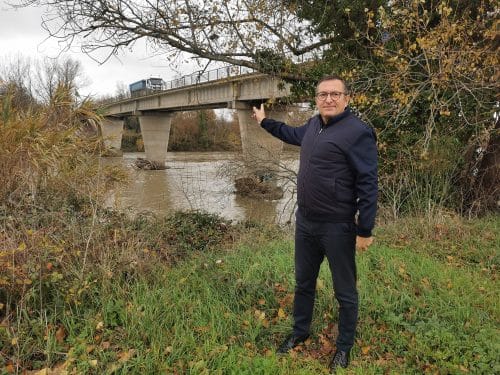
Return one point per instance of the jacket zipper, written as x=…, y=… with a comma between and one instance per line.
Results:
x=307, y=170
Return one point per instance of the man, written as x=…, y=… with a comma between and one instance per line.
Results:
x=337, y=179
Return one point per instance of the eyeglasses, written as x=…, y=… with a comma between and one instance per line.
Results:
x=335, y=95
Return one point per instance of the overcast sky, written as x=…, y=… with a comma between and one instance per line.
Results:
x=21, y=33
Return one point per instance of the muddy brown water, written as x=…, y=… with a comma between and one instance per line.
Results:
x=193, y=181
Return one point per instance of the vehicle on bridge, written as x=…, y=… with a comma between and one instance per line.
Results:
x=146, y=86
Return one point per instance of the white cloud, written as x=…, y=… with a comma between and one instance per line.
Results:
x=21, y=33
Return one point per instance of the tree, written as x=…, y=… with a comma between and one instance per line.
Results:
x=53, y=74
x=431, y=89
x=15, y=74
x=260, y=34
x=35, y=82
x=424, y=72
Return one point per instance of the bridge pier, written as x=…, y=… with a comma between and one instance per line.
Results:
x=261, y=150
x=111, y=131
x=155, y=129
x=255, y=141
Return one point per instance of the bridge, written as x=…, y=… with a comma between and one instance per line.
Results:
x=231, y=88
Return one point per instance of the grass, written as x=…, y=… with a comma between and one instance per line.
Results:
x=87, y=291
x=427, y=305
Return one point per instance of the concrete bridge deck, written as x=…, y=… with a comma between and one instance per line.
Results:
x=155, y=111
x=224, y=93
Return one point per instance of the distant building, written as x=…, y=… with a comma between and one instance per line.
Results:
x=146, y=86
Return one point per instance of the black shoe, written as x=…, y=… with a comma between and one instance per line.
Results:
x=340, y=359
x=291, y=342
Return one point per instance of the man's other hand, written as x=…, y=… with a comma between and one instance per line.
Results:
x=363, y=243
x=259, y=114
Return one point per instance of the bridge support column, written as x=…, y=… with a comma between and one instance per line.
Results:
x=155, y=131
x=111, y=131
x=261, y=150
x=255, y=141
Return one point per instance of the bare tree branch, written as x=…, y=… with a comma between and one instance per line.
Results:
x=234, y=32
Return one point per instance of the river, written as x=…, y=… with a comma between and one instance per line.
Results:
x=195, y=181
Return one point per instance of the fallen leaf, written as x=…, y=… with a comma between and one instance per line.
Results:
x=202, y=329
x=365, y=349
x=281, y=313
x=125, y=356
x=261, y=315
x=425, y=281
x=60, y=334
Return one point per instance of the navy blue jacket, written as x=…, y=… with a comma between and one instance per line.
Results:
x=338, y=168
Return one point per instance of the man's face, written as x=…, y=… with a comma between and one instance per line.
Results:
x=335, y=100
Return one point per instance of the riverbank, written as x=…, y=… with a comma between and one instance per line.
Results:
x=85, y=289
x=192, y=293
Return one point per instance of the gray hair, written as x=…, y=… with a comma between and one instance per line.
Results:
x=335, y=77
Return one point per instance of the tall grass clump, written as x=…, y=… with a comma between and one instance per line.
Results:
x=47, y=169
x=421, y=185
x=52, y=187
x=61, y=250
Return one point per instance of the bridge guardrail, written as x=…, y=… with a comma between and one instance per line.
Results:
x=198, y=77
x=207, y=76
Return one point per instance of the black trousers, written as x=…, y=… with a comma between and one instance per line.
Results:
x=337, y=241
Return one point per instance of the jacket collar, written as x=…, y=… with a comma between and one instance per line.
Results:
x=333, y=120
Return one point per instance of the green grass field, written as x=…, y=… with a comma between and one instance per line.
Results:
x=428, y=304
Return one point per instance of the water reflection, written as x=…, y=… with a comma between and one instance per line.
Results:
x=192, y=181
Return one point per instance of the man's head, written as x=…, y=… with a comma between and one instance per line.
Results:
x=332, y=96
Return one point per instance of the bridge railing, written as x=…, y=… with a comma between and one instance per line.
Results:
x=207, y=76
x=198, y=77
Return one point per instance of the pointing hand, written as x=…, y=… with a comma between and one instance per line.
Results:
x=259, y=113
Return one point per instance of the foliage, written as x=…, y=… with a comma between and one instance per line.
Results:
x=42, y=150
x=203, y=131
x=47, y=169
x=132, y=141
x=255, y=34
x=430, y=88
x=424, y=72
x=34, y=82
x=425, y=308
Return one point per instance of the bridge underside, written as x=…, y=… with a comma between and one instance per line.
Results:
x=257, y=144
x=155, y=113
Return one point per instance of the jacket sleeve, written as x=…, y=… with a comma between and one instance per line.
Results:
x=286, y=133
x=363, y=158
